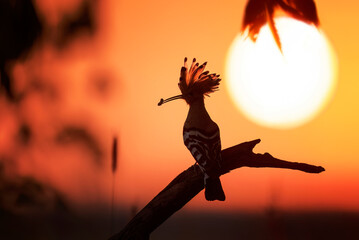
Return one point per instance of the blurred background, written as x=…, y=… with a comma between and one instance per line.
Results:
x=77, y=73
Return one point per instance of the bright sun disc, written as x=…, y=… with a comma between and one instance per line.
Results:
x=276, y=90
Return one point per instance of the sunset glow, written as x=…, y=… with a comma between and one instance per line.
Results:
x=282, y=90
x=76, y=90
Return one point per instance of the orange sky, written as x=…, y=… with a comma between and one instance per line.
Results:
x=153, y=39
x=142, y=45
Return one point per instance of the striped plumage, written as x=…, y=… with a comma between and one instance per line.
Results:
x=205, y=147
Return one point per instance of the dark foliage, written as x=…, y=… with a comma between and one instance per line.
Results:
x=19, y=28
x=260, y=12
x=25, y=195
x=81, y=21
x=72, y=135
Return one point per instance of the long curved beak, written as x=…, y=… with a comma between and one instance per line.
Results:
x=162, y=101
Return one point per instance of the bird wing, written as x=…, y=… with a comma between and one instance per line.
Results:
x=205, y=147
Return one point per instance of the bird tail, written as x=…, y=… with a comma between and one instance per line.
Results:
x=213, y=189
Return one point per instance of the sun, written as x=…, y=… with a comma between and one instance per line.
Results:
x=282, y=90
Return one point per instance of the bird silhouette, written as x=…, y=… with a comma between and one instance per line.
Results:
x=260, y=12
x=201, y=134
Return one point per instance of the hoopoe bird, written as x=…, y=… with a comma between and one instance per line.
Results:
x=200, y=133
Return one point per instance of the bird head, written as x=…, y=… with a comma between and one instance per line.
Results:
x=194, y=83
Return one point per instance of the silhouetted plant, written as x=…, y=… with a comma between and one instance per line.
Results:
x=260, y=12
x=113, y=168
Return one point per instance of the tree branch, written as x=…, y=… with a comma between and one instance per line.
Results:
x=190, y=182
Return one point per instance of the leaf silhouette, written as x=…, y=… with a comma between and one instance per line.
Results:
x=260, y=12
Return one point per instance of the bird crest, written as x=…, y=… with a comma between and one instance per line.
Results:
x=194, y=83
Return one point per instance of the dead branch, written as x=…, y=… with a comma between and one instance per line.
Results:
x=190, y=182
